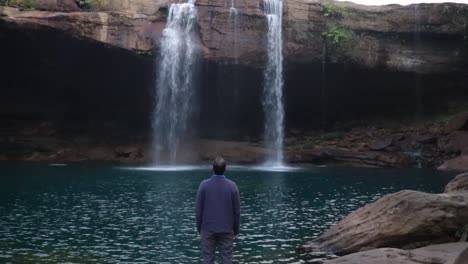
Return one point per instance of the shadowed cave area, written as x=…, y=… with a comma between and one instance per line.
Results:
x=80, y=84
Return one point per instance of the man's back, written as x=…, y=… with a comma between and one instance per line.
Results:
x=218, y=208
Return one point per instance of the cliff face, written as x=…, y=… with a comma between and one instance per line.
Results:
x=424, y=38
x=91, y=70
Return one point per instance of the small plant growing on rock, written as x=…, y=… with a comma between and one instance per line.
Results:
x=338, y=36
x=337, y=40
x=329, y=9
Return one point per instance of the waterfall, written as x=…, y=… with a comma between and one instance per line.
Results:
x=175, y=85
x=273, y=86
x=234, y=24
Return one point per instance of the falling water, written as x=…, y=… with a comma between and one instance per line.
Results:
x=273, y=87
x=417, y=77
x=175, y=86
x=234, y=24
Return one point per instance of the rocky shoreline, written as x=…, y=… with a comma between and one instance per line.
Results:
x=441, y=145
x=405, y=227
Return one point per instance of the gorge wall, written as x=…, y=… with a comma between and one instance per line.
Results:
x=343, y=62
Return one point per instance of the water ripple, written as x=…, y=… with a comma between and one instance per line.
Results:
x=69, y=215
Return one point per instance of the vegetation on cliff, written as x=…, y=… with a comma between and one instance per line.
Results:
x=27, y=4
x=336, y=37
x=94, y=5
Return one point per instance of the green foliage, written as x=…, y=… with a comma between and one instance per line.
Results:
x=94, y=5
x=147, y=53
x=338, y=36
x=329, y=9
x=26, y=4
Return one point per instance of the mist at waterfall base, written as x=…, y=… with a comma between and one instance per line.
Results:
x=175, y=84
x=102, y=214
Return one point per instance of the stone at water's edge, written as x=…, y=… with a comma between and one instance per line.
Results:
x=456, y=164
x=435, y=254
x=459, y=184
x=459, y=122
x=406, y=219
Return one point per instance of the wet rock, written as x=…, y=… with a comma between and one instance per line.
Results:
x=426, y=139
x=127, y=152
x=435, y=254
x=406, y=219
x=462, y=258
x=459, y=122
x=459, y=184
x=381, y=144
x=456, y=142
x=465, y=151
x=456, y=164
x=359, y=157
x=97, y=153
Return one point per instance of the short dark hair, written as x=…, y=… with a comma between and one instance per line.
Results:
x=219, y=166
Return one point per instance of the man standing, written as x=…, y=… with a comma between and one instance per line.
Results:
x=217, y=210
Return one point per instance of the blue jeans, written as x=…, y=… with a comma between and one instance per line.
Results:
x=224, y=242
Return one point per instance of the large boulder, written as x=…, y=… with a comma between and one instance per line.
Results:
x=459, y=184
x=406, y=219
x=459, y=122
x=455, y=142
x=459, y=163
x=451, y=253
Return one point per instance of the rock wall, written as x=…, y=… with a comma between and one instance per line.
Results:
x=75, y=65
x=423, y=38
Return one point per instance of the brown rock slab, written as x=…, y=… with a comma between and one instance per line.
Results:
x=381, y=144
x=435, y=254
x=350, y=157
x=459, y=122
x=459, y=184
x=456, y=141
x=132, y=31
x=406, y=219
x=57, y=5
x=137, y=25
x=456, y=164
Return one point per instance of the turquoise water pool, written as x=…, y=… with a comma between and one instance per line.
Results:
x=106, y=214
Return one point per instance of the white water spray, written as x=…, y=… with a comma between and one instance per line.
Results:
x=175, y=86
x=234, y=25
x=273, y=87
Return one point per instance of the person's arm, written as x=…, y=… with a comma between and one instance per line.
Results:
x=199, y=202
x=236, y=207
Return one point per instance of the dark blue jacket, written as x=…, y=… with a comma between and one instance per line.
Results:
x=217, y=206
